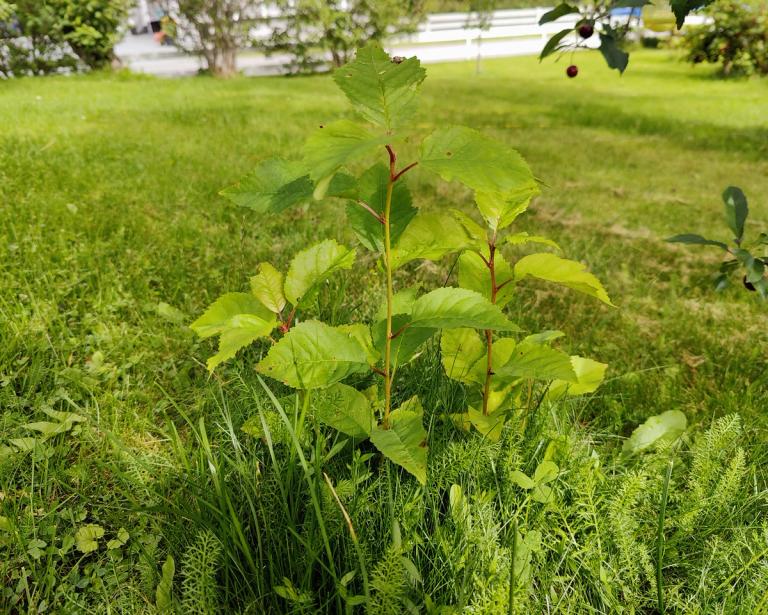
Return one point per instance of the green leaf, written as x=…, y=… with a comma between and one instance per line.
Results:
x=373, y=192
x=502, y=209
x=345, y=409
x=589, y=376
x=553, y=44
x=489, y=425
x=475, y=275
x=49, y=429
x=483, y=164
x=310, y=267
x=542, y=493
x=242, y=330
x=402, y=302
x=614, y=55
x=537, y=362
x=522, y=480
x=267, y=287
x=543, y=337
x=430, y=236
x=120, y=540
x=164, y=592
x=170, y=313
x=313, y=355
x=362, y=334
x=5, y=524
x=736, y=210
x=476, y=232
x=681, y=8
x=463, y=355
x=523, y=238
x=273, y=186
x=405, y=441
x=754, y=266
x=87, y=538
x=450, y=308
x=694, y=239
x=552, y=268
x=382, y=91
x=406, y=345
x=667, y=426
x=546, y=472
x=561, y=10
x=335, y=146
x=217, y=317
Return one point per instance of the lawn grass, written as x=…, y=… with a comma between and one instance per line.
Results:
x=109, y=206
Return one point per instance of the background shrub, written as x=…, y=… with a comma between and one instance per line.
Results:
x=737, y=39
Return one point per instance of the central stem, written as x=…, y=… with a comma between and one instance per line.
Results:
x=390, y=293
x=488, y=332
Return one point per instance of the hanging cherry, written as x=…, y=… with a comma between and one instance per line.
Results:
x=572, y=71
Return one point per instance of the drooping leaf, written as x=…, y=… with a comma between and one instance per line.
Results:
x=273, y=186
x=589, y=376
x=475, y=275
x=487, y=166
x=614, y=55
x=522, y=238
x=87, y=538
x=406, y=345
x=217, y=317
x=405, y=440
x=314, y=355
x=489, y=425
x=552, y=268
x=667, y=426
x=242, y=330
x=694, y=239
x=681, y=8
x=430, y=236
x=561, y=10
x=345, y=409
x=450, y=308
x=373, y=192
x=335, y=146
x=538, y=362
x=736, y=210
x=310, y=267
x=382, y=91
x=267, y=287
x=553, y=44
x=463, y=355
x=754, y=266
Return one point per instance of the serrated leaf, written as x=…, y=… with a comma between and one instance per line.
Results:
x=589, y=376
x=614, y=55
x=267, y=287
x=242, y=330
x=314, y=355
x=736, y=210
x=496, y=172
x=382, y=91
x=450, y=308
x=538, y=362
x=552, y=268
x=561, y=10
x=430, y=236
x=406, y=345
x=476, y=232
x=475, y=275
x=345, y=409
x=463, y=355
x=405, y=441
x=335, y=146
x=521, y=479
x=553, y=44
x=87, y=538
x=667, y=426
x=310, y=267
x=217, y=317
x=373, y=192
x=522, y=238
x=502, y=209
x=273, y=186
x=402, y=302
x=692, y=238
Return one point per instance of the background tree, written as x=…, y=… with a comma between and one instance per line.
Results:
x=311, y=31
x=213, y=29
